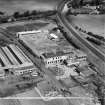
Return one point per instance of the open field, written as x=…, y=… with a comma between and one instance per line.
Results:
x=28, y=26
x=92, y=23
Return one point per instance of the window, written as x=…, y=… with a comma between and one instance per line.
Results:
x=30, y=70
x=21, y=72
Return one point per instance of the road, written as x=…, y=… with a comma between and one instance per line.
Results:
x=80, y=41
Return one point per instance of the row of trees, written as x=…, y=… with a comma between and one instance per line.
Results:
x=33, y=13
x=79, y=3
x=25, y=14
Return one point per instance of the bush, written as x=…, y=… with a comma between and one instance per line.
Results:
x=90, y=33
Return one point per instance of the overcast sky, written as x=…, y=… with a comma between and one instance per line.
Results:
x=21, y=5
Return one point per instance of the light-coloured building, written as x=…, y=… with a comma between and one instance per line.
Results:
x=54, y=58
x=71, y=57
x=30, y=32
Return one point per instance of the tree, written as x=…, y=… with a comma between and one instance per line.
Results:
x=75, y=3
x=26, y=14
x=34, y=12
x=16, y=15
x=98, y=2
x=81, y=3
x=1, y=13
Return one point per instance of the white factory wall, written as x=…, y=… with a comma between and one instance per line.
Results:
x=55, y=60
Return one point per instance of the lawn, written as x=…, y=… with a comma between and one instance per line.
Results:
x=92, y=23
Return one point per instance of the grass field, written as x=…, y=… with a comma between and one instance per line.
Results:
x=29, y=26
x=92, y=23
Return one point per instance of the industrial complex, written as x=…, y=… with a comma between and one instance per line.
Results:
x=47, y=59
x=52, y=48
x=14, y=61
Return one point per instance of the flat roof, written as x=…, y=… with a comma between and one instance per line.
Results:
x=53, y=54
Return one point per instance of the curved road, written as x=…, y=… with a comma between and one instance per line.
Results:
x=94, y=55
x=63, y=21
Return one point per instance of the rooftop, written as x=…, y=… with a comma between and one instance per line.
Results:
x=56, y=53
x=80, y=53
x=12, y=56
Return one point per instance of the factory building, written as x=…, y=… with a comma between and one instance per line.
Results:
x=54, y=58
x=80, y=58
x=13, y=60
x=30, y=32
x=51, y=47
x=71, y=57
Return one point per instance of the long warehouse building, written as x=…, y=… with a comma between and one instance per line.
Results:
x=13, y=59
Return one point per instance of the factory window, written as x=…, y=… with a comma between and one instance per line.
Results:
x=49, y=62
x=57, y=57
x=6, y=71
x=24, y=71
x=21, y=72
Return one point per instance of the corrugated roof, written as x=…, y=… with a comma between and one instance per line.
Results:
x=9, y=60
